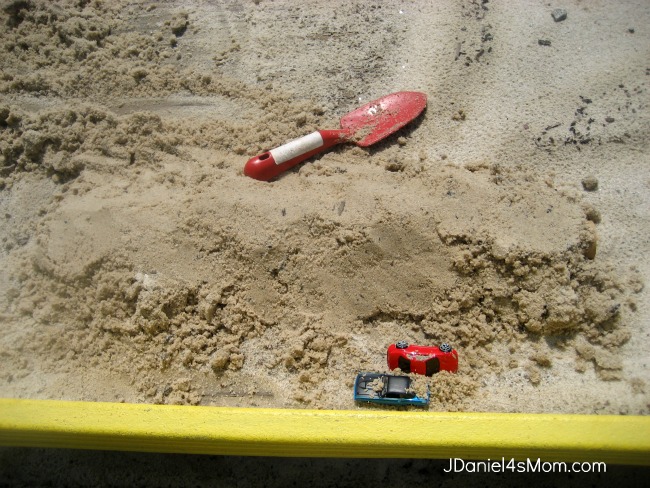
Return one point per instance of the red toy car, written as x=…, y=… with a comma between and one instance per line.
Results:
x=426, y=360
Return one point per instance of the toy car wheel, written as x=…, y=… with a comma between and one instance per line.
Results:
x=401, y=345
x=444, y=347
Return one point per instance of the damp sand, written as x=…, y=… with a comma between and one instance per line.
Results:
x=138, y=264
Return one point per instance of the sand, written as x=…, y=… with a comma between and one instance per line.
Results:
x=139, y=264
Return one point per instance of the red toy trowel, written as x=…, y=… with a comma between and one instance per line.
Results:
x=364, y=126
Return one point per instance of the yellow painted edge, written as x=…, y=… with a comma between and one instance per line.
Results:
x=324, y=433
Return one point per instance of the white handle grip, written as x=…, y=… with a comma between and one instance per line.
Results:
x=297, y=147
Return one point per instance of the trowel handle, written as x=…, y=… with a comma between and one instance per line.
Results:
x=270, y=164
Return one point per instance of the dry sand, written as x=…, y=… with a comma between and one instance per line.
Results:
x=139, y=264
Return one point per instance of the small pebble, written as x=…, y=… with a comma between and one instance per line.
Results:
x=544, y=42
x=609, y=120
x=559, y=14
x=590, y=183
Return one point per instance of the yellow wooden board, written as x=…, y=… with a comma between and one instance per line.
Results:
x=324, y=433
